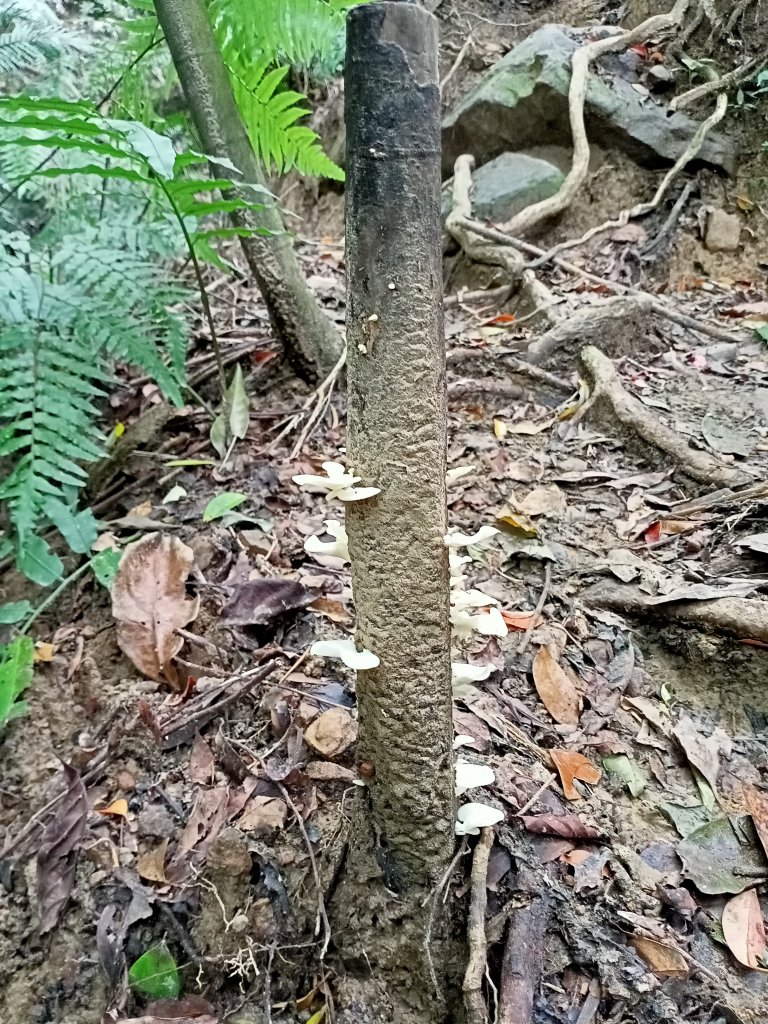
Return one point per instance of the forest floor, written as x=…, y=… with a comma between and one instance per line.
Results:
x=218, y=812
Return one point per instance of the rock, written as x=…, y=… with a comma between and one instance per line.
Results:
x=723, y=232
x=155, y=820
x=523, y=101
x=506, y=185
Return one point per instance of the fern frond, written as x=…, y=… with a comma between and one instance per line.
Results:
x=47, y=417
x=270, y=117
x=33, y=38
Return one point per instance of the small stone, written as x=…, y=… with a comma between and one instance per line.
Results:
x=155, y=820
x=723, y=232
x=125, y=781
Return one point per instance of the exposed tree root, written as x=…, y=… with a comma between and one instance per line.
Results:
x=534, y=215
x=584, y=322
x=618, y=406
x=701, y=92
x=737, y=13
x=655, y=244
x=477, y=1011
x=741, y=617
x=483, y=250
x=523, y=959
x=504, y=389
x=658, y=307
x=514, y=363
x=643, y=209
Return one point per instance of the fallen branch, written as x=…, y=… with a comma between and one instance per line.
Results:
x=471, y=388
x=741, y=617
x=477, y=1011
x=658, y=307
x=514, y=363
x=523, y=960
x=609, y=396
x=582, y=59
x=725, y=498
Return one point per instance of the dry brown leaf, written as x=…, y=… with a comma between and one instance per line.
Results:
x=151, y=865
x=150, y=602
x=744, y=929
x=521, y=620
x=57, y=851
x=572, y=765
x=703, y=752
x=331, y=733
x=547, y=500
x=327, y=771
x=118, y=808
x=333, y=610
x=757, y=805
x=661, y=958
x=557, y=692
x=201, y=763
x=263, y=814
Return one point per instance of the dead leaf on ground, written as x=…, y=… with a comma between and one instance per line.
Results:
x=188, y=1006
x=744, y=929
x=118, y=808
x=56, y=858
x=567, y=826
x=327, y=771
x=331, y=733
x=571, y=765
x=259, y=602
x=150, y=602
x=333, y=610
x=704, y=592
x=717, y=860
x=522, y=620
x=201, y=762
x=263, y=814
x=757, y=805
x=44, y=651
x=467, y=724
x=151, y=865
x=554, y=686
x=661, y=957
x=547, y=500
x=703, y=752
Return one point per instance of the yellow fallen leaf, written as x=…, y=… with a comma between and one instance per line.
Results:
x=119, y=808
x=499, y=428
x=661, y=958
x=44, y=651
x=517, y=522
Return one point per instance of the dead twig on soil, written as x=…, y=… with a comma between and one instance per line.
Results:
x=322, y=915
x=491, y=295
x=658, y=307
x=666, y=228
x=538, y=609
x=740, y=617
x=608, y=394
x=477, y=1011
x=502, y=389
x=514, y=363
x=523, y=959
x=724, y=498
x=580, y=64
x=433, y=899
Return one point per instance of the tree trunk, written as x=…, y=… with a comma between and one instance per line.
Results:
x=311, y=342
x=397, y=434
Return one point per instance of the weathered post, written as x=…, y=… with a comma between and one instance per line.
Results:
x=397, y=434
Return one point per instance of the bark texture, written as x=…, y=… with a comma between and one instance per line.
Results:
x=311, y=342
x=397, y=434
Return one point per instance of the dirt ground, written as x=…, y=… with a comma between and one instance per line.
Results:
x=219, y=814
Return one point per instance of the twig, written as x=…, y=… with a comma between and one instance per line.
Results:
x=515, y=364
x=542, y=788
x=672, y=219
x=252, y=677
x=538, y=609
x=477, y=1011
x=457, y=63
x=489, y=295
x=523, y=960
x=434, y=899
x=322, y=915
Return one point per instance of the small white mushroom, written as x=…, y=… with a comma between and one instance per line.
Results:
x=457, y=539
x=346, y=651
x=490, y=623
x=462, y=673
x=338, y=547
x=471, y=599
x=472, y=817
x=462, y=741
x=336, y=479
x=472, y=776
x=355, y=493
x=456, y=474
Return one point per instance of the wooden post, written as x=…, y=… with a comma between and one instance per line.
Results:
x=397, y=433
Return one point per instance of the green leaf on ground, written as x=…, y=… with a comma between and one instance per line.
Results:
x=221, y=504
x=155, y=974
x=15, y=676
x=15, y=611
x=628, y=771
x=105, y=565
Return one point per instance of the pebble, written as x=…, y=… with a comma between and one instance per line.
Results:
x=156, y=820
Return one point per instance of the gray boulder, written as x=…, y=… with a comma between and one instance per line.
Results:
x=523, y=102
x=506, y=185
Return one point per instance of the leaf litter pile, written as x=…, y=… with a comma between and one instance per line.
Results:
x=175, y=806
